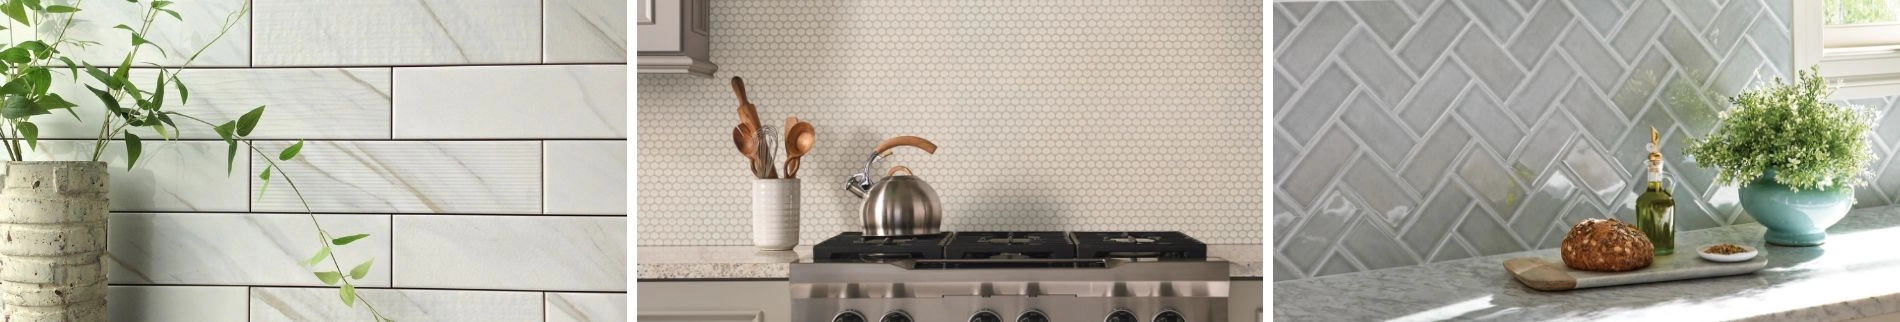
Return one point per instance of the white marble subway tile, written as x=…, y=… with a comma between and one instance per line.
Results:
x=322, y=304
x=511, y=252
x=179, y=38
x=570, y=101
x=585, y=178
x=178, y=303
x=488, y=177
x=300, y=103
x=170, y=176
x=586, y=307
x=240, y=248
x=584, y=31
x=379, y=33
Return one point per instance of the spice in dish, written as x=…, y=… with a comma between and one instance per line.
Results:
x=1725, y=249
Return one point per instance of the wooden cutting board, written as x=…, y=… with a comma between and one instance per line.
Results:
x=1550, y=274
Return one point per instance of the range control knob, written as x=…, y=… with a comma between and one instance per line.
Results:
x=895, y=316
x=848, y=316
x=1033, y=316
x=1121, y=316
x=1169, y=316
x=986, y=316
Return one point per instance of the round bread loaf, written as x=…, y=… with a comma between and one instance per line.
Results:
x=1606, y=245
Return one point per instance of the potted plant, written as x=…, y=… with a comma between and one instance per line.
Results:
x=55, y=211
x=1796, y=156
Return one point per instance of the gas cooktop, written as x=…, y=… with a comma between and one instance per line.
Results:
x=996, y=276
x=855, y=247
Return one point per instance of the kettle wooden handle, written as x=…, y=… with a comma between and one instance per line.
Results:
x=906, y=140
x=895, y=168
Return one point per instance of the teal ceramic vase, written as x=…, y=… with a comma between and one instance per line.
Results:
x=1795, y=218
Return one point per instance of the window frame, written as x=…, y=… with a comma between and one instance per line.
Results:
x=1872, y=69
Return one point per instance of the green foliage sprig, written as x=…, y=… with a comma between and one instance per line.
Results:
x=130, y=106
x=1790, y=128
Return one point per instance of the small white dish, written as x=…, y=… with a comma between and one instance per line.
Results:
x=1747, y=254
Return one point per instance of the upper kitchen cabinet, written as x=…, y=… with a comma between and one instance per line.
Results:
x=675, y=37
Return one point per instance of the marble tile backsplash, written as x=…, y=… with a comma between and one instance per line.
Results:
x=1409, y=132
x=1050, y=115
x=447, y=130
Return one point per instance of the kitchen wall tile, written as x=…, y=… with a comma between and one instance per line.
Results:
x=198, y=24
x=374, y=32
x=1427, y=42
x=1377, y=246
x=584, y=31
x=1481, y=53
x=300, y=103
x=1386, y=19
x=586, y=307
x=205, y=248
x=490, y=252
x=1429, y=102
x=178, y=303
x=1318, y=38
x=489, y=177
x=169, y=176
x=1332, y=88
x=1378, y=73
x=584, y=177
x=1554, y=138
x=1375, y=184
x=320, y=304
x=571, y=101
x=1382, y=134
x=1550, y=19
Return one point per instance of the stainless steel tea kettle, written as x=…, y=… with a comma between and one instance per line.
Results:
x=897, y=205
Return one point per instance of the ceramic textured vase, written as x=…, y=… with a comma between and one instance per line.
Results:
x=54, y=217
x=1795, y=218
x=775, y=213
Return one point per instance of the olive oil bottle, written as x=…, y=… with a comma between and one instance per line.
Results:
x=1655, y=208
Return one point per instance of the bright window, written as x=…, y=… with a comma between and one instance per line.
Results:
x=1855, y=42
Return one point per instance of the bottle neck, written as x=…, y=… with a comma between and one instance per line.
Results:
x=1655, y=176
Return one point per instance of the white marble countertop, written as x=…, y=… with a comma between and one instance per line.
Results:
x=1856, y=274
x=747, y=262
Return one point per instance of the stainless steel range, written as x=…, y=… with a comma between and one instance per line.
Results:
x=1011, y=276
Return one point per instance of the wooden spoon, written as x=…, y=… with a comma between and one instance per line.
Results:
x=798, y=141
x=747, y=112
x=747, y=146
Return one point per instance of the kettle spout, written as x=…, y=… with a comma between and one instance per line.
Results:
x=858, y=185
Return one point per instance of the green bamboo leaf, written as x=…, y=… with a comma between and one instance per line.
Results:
x=17, y=106
x=102, y=76
x=290, y=152
x=230, y=156
x=104, y=97
x=34, y=4
x=39, y=49
x=42, y=79
x=16, y=9
x=160, y=4
x=53, y=101
x=61, y=9
x=348, y=292
x=184, y=95
x=266, y=177
x=361, y=270
x=318, y=258
x=16, y=55
x=70, y=66
x=329, y=277
x=345, y=240
x=30, y=132
x=173, y=13
x=249, y=121
x=131, y=150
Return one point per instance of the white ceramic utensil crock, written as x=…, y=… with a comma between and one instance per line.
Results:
x=775, y=213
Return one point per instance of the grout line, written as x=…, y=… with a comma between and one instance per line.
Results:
x=392, y=250
x=392, y=103
x=377, y=288
x=361, y=140
x=364, y=213
x=527, y=64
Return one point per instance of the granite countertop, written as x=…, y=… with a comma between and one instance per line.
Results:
x=747, y=262
x=1856, y=274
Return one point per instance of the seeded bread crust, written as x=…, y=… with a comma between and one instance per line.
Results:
x=1606, y=245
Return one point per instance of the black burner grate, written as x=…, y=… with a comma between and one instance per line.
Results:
x=1009, y=245
x=852, y=246
x=1152, y=244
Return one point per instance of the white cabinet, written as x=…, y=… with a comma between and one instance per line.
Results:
x=675, y=37
x=700, y=301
